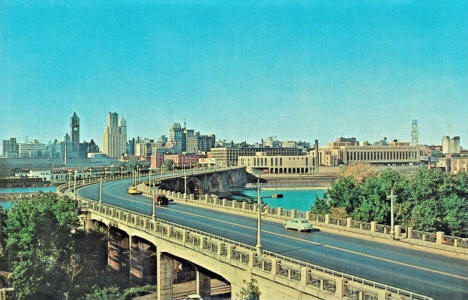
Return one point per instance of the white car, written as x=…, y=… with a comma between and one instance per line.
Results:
x=298, y=224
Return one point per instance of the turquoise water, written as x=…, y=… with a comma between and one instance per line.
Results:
x=6, y=205
x=28, y=189
x=292, y=199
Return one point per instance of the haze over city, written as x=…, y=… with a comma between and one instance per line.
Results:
x=295, y=70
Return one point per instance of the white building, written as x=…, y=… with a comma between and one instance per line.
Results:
x=114, y=139
x=450, y=145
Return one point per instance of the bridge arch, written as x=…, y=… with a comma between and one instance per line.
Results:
x=215, y=184
x=194, y=186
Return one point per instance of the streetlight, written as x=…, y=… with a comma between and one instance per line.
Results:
x=153, y=216
x=121, y=174
x=391, y=197
x=105, y=174
x=69, y=180
x=74, y=184
x=185, y=184
x=100, y=189
x=90, y=175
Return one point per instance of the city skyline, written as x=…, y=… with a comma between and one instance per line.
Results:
x=240, y=71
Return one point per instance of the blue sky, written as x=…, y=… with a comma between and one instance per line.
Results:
x=292, y=69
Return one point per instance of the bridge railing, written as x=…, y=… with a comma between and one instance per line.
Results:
x=284, y=269
x=408, y=235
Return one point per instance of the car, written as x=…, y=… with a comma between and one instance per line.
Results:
x=161, y=200
x=133, y=191
x=298, y=224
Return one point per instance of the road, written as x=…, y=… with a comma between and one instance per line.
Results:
x=433, y=275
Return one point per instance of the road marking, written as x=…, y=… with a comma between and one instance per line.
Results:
x=303, y=240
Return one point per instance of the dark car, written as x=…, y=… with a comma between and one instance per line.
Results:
x=161, y=200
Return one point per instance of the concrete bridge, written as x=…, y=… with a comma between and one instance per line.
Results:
x=150, y=250
x=209, y=181
x=147, y=249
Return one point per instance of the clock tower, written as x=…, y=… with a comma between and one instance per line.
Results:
x=75, y=134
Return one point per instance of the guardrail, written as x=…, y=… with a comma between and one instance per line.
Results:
x=436, y=240
x=283, y=269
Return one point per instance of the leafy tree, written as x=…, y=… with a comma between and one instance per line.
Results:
x=251, y=291
x=344, y=193
x=168, y=163
x=109, y=293
x=3, y=218
x=320, y=206
x=39, y=245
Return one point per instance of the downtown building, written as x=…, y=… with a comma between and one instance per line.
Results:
x=229, y=156
x=114, y=139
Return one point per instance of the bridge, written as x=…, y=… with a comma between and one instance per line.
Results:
x=213, y=247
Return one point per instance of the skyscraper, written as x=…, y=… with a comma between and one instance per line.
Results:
x=114, y=139
x=75, y=135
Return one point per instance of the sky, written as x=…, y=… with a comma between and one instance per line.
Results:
x=243, y=70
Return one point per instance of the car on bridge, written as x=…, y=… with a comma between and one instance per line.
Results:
x=161, y=199
x=298, y=224
x=133, y=191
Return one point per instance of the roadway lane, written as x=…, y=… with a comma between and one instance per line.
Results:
x=434, y=275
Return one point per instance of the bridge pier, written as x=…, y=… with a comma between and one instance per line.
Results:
x=118, y=257
x=164, y=276
x=203, y=284
x=142, y=261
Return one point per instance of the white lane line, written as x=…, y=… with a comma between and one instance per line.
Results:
x=306, y=241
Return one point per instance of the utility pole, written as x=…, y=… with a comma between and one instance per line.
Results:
x=259, y=220
x=69, y=180
x=185, y=185
x=392, y=197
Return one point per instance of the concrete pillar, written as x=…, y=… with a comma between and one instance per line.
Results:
x=274, y=266
x=455, y=243
x=397, y=231
x=410, y=232
x=206, y=198
x=280, y=211
x=303, y=277
x=439, y=237
x=348, y=222
x=234, y=203
x=244, y=205
x=191, y=197
x=327, y=219
x=203, y=285
x=224, y=202
x=373, y=226
x=308, y=215
x=339, y=287
x=293, y=213
x=164, y=276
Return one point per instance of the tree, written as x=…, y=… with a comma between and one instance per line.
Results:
x=344, y=193
x=3, y=218
x=39, y=245
x=251, y=291
x=168, y=163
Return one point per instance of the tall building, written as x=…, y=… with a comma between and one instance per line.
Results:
x=177, y=137
x=414, y=133
x=450, y=145
x=114, y=139
x=75, y=135
x=10, y=148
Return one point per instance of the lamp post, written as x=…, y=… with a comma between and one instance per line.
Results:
x=154, y=208
x=259, y=220
x=90, y=175
x=105, y=174
x=185, y=184
x=74, y=184
x=69, y=180
x=121, y=174
x=392, y=197
x=100, y=189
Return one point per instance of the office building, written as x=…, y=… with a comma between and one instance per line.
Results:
x=450, y=145
x=114, y=139
x=278, y=164
x=10, y=148
x=226, y=156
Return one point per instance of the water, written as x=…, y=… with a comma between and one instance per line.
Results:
x=6, y=205
x=28, y=189
x=292, y=199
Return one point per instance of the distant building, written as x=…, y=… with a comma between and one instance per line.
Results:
x=75, y=135
x=157, y=160
x=10, y=148
x=278, y=164
x=450, y=145
x=183, y=159
x=32, y=149
x=414, y=133
x=177, y=137
x=114, y=139
x=347, y=151
x=227, y=156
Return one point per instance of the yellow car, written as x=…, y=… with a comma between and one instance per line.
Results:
x=133, y=191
